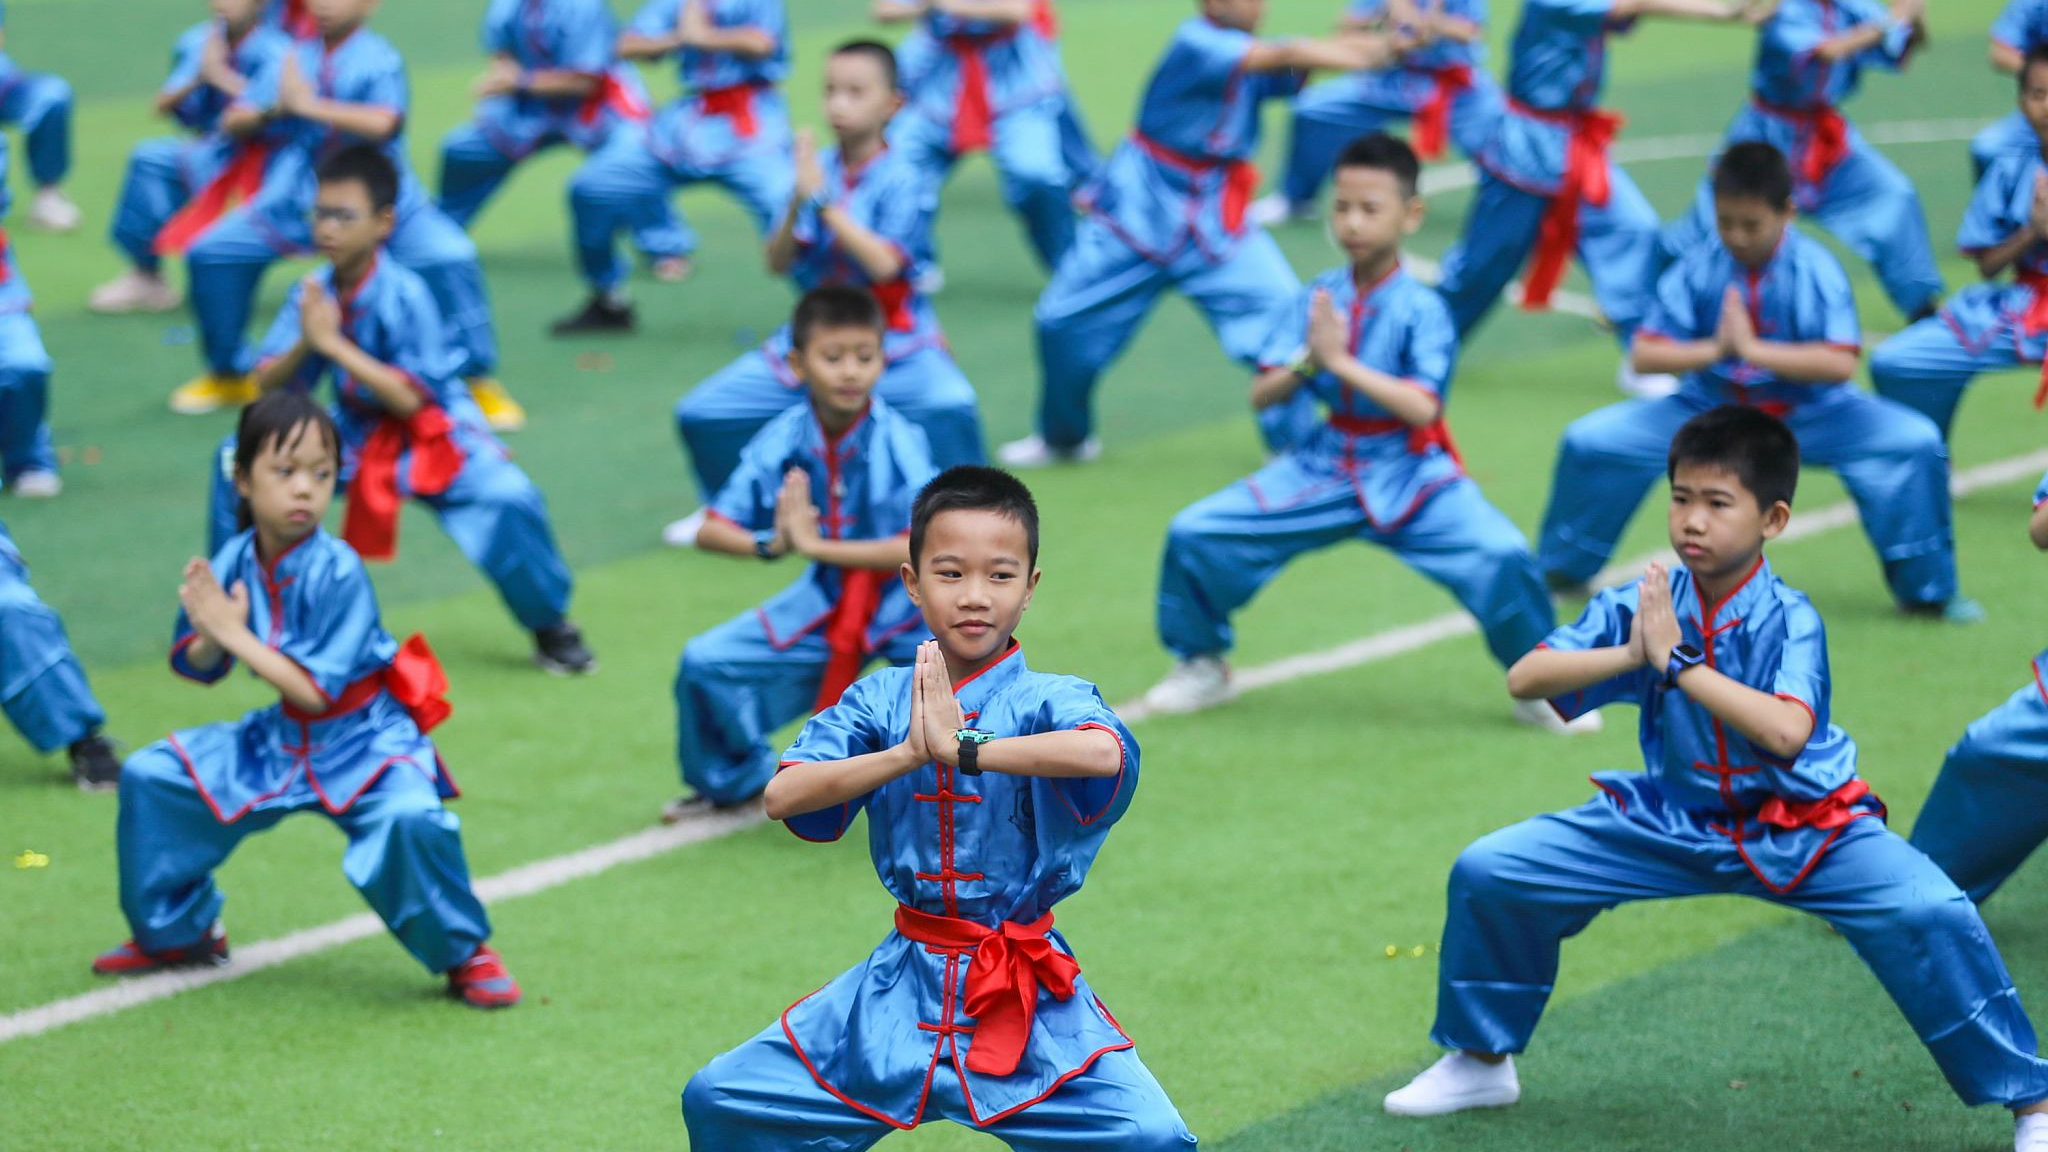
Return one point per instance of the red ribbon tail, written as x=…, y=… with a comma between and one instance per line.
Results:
x=417, y=681
x=371, y=524
x=894, y=297
x=1240, y=185
x=240, y=180
x=436, y=458
x=846, y=632
x=1554, y=245
x=1432, y=127
x=973, y=120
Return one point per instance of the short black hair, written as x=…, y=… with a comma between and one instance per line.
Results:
x=875, y=50
x=973, y=488
x=366, y=164
x=1750, y=443
x=1386, y=153
x=1754, y=170
x=282, y=418
x=835, y=306
x=2038, y=54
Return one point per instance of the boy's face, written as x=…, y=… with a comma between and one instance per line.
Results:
x=1750, y=227
x=1369, y=215
x=840, y=367
x=345, y=227
x=973, y=582
x=1717, y=526
x=290, y=483
x=2034, y=98
x=859, y=99
x=331, y=16
x=1243, y=15
x=237, y=12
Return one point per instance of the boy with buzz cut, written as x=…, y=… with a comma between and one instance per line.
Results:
x=2021, y=27
x=1749, y=789
x=853, y=454
x=989, y=788
x=1380, y=468
x=1762, y=318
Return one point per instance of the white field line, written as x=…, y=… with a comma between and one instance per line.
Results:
x=542, y=875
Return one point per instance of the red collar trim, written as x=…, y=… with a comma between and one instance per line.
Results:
x=1378, y=282
x=269, y=566
x=328, y=49
x=1012, y=650
x=347, y=299
x=1714, y=609
x=832, y=442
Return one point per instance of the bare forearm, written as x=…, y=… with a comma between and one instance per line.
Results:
x=751, y=43
x=804, y=788
x=994, y=11
x=896, y=11
x=1410, y=404
x=1805, y=363
x=1778, y=726
x=2000, y=256
x=394, y=389
x=1275, y=386
x=781, y=248
x=881, y=260
x=1349, y=53
x=726, y=538
x=1676, y=357
x=276, y=669
x=278, y=371
x=560, y=84
x=881, y=555
x=242, y=121
x=1855, y=40
x=1677, y=9
x=167, y=102
x=1547, y=673
x=1073, y=753
x=204, y=655
x=634, y=46
x=2037, y=526
x=2006, y=58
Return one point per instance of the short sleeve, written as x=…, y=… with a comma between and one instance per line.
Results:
x=183, y=635
x=1210, y=56
x=656, y=18
x=185, y=59
x=852, y=727
x=1987, y=221
x=748, y=497
x=1803, y=661
x=1791, y=35
x=2015, y=24
x=341, y=625
x=1585, y=17
x=589, y=38
x=1606, y=623
x=1673, y=314
x=1076, y=705
x=1432, y=345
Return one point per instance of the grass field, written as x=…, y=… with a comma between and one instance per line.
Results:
x=1237, y=922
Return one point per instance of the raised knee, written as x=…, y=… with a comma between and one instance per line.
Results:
x=703, y=1099
x=1935, y=915
x=152, y=768
x=1158, y=1131
x=1476, y=874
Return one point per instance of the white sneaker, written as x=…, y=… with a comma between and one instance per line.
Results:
x=683, y=533
x=2031, y=1133
x=134, y=291
x=1193, y=685
x=1539, y=714
x=37, y=484
x=1275, y=208
x=1644, y=386
x=52, y=211
x=1455, y=1083
x=1033, y=452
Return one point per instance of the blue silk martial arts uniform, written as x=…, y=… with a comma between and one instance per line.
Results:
x=974, y=84
x=2022, y=25
x=1838, y=180
x=444, y=455
x=1983, y=326
x=1361, y=474
x=976, y=864
x=890, y=197
x=1714, y=814
x=1547, y=189
x=291, y=18
x=1168, y=210
x=739, y=682
x=43, y=689
x=40, y=105
x=540, y=35
x=1890, y=459
x=729, y=126
x=1442, y=89
x=165, y=174
x=364, y=761
x=1989, y=808
x=229, y=258
x=25, y=366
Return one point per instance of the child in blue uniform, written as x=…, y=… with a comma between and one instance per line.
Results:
x=1380, y=468
x=2021, y=27
x=829, y=480
x=409, y=428
x=210, y=67
x=347, y=85
x=28, y=456
x=1984, y=327
x=1986, y=814
x=43, y=689
x=1167, y=210
x=347, y=737
x=1810, y=56
x=989, y=788
x=40, y=105
x=1440, y=87
x=1547, y=190
x=554, y=78
x=729, y=126
x=861, y=216
x=1749, y=788
x=1763, y=317
x=985, y=75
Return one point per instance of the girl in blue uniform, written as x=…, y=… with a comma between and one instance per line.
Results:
x=347, y=736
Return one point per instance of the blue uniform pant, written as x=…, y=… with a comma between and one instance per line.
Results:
x=40, y=105
x=2006, y=136
x=25, y=444
x=1518, y=893
x=1029, y=148
x=1890, y=458
x=717, y=418
x=228, y=260
x=625, y=186
x=1617, y=244
x=161, y=179
x=760, y=1097
x=43, y=690
x=1928, y=366
x=404, y=855
x=1221, y=550
x=1989, y=807
x=493, y=513
x=473, y=168
x=1103, y=289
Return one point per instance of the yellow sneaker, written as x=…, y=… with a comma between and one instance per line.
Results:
x=209, y=393
x=501, y=411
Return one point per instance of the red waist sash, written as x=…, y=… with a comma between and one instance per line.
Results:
x=1010, y=965
x=614, y=94
x=2034, y=321
x=1419, y=438
x=1240, y=177
x=1432, y=125
x=1830, y=811
x=736, y=103
x=1585, y=182
x=846, y=631
x=237, y=182
x=1824, y=138
x=894, y=297
x=973, y=114
x=414, y=678
x=371, y=526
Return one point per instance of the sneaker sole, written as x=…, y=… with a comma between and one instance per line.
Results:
x=557, y=668
x=208, y=961
x=1447, y=1107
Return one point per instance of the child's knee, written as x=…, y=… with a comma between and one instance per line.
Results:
x=1476, y=874
x=1937, y=914
x=152, y=769
x=704, y=1100
x=1158, y=1130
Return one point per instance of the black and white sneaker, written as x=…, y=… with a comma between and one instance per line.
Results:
x=601, y=313
x=559, y=649
x=94, y=767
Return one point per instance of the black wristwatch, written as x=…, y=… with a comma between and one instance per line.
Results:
x=971, y=740
x=764, y=543
x=1683, y=656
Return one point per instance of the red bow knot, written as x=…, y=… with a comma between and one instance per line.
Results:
x=371, y=525
x=1010, y=965
x=1433, y=120
x=1585, y=182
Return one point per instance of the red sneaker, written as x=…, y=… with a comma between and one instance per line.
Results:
x=129, y=959
x=482, y=980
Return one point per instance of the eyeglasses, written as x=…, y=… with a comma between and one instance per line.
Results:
x=335, y=216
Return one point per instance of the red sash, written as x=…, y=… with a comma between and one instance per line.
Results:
x=1240, y=177
x=1010, y=965
x=973, y=118
x=846, y=631
x=1830, y=811
x=614, y=94
x=1432, y=125
x=1824, y=139
x=894, y=297
x=297, y=22
x=237, y=182
x=2034, y=321
x=1419, y=438
x=6, y=257
x=414, y=678
x=371, y=526
x=1044, y=20
x=1585, y=182
x=736, y=103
